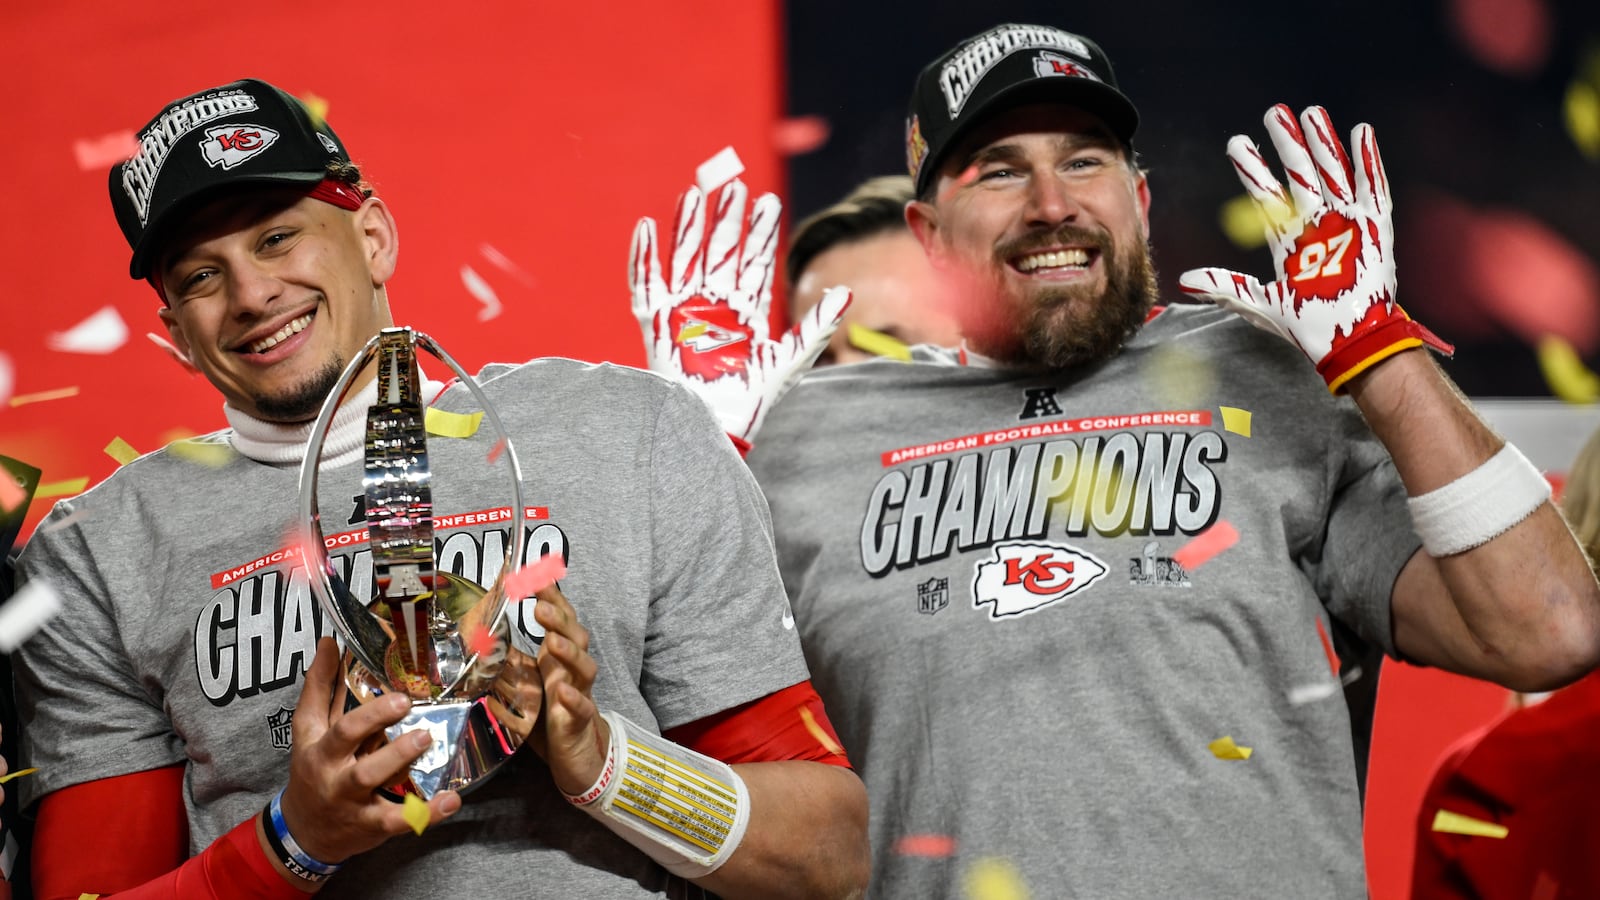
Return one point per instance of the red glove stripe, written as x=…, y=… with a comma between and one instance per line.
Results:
x=1372, y=347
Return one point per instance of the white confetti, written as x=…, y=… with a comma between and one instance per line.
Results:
x=76, y=515
x=1310, y=693
x=26, y=612
x=505, y=264
x=480, y=289
x=718, y=170
x=8, y=378
x=102, y=332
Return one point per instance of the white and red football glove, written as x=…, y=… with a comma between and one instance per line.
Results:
x=1332, y=246
x=706, y=324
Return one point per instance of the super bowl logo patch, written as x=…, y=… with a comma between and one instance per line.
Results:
x=1047, y=64
x=933, y=595
x=1150, y=568
x=279, y=725
x=1026, y=576
x=229, y=145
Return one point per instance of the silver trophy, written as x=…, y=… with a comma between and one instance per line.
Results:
x=434, y=636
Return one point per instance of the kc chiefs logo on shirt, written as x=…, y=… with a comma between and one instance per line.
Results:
x=1023, y=577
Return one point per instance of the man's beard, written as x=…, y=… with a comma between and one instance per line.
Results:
x=1062, y=327
x=304, y=402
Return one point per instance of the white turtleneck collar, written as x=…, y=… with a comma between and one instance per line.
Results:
x=277, y=444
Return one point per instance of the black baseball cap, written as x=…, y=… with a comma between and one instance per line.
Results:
x=240, y=133
x=1005, y=67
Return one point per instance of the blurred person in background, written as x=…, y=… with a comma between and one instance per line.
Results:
x=863, y=243
x=1529, y=783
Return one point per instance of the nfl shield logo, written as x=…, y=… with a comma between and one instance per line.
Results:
x=278, y=724
x=933, y=595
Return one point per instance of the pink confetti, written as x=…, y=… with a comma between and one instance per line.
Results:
x=172, y=351
x=925, y=845
x=800, y=134
x=531, y=579
x=11, y=494
x=104, y=152
x=1205, y=545
x=8, y=377
x=481, y=642
x=498, y=448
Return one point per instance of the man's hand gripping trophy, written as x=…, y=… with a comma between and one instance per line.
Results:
x=1332, y=246
x=705, y=324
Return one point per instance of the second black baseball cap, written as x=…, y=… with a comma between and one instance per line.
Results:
x=1004, y=67
x=244, y=132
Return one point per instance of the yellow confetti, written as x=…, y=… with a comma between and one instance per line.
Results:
x=57, y=394
x=206, y=453
x=1565, y=372
x=17, y=774
x=449, y=424
x=878, y=343
x=317, y=107
x=88, y=897
x=416, y=813
x=1582, y=111
x=121, y=451
x=691, y=331
x=1224, y=748
x=66, y=488
x=1456, y=823
x=992, y=878
x=1180, y=377
x=827, y=742
x=1236, y=420
x=1245, y=223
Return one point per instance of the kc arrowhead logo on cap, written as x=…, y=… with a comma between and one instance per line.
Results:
x=229, y=145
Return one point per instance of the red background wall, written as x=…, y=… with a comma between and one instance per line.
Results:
x=534, y=135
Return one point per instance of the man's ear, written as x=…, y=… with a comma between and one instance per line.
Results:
x=1143, y=192
x=380, y=237
x=923, y=220
x=175, y=332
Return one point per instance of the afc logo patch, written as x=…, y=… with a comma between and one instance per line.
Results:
x=933, y=595
x=1041, y=402
x=279, y=725
x=1026, y=576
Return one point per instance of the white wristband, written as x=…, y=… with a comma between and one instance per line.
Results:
x=1479, y=505
x=685, y=810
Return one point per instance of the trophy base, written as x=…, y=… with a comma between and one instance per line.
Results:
x=468, y=746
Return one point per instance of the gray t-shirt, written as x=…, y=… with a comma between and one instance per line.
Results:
x=981, y=566
x=185, y=633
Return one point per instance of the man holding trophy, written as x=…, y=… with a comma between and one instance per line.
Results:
x=676, y=739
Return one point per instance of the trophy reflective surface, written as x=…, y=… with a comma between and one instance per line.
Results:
x=436, y=637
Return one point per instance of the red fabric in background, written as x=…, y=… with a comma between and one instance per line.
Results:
x=1536, y=772
x=519, y=140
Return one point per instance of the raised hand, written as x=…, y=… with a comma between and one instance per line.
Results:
x=705, y=323
x=1332, y=243
x=331, y=805
x=570, y=734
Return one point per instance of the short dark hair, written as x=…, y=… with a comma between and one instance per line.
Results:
x=876, y=206
x=346, y=172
